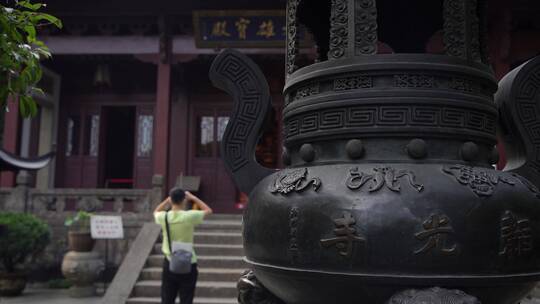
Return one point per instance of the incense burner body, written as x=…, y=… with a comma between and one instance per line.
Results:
x=389, y=186
x=346, y=241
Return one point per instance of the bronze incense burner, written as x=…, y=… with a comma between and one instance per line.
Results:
x=389, y=194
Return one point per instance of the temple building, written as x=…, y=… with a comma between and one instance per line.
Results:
x=130, y=111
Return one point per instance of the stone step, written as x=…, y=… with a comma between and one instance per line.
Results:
x=205, y=274
x=156, y=300
x=222, y=216
x=203, y=237
x=211, y=249
x=204, y=261
x=216, y=237
x=208, y=289
x=222, y=225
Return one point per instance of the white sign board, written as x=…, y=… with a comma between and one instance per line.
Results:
x=106, y=227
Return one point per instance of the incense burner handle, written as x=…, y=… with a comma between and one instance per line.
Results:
x=518, y=100
x=240, y=77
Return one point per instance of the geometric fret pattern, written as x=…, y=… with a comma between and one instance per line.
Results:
x=236, y=74
x=249, y=110
x=448, y=118
x=528, y=115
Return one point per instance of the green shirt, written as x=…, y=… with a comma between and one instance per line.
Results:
x=181, y=225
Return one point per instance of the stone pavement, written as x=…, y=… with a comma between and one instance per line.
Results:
x=47, y=296
x=60, y=296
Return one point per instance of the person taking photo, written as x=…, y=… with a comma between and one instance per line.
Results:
x=181, y=225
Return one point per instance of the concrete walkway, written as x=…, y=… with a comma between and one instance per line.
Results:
x=47, y=296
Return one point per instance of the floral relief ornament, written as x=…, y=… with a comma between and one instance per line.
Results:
x=294, y=181
x=481, y=182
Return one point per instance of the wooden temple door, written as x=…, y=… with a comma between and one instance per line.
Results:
x=93, y=133
x=217, y=188
x=81, y=150
x=143, y=147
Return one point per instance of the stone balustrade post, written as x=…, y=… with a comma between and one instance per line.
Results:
x=118, y=204
x=18, y=200
x=158, y=190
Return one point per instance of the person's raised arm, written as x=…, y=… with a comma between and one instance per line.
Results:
x=163, y=205
x=202, y=205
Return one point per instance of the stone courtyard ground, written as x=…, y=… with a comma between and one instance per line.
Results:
x=48, y=296
x=60, y=296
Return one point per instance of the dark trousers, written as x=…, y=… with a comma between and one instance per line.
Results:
x=173, y=285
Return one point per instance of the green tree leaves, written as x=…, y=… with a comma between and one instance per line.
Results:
x=21, y=52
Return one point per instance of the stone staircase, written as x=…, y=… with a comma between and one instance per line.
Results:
x=218, y=244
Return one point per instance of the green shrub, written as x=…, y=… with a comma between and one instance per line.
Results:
x=59, y=284
x=25, y=237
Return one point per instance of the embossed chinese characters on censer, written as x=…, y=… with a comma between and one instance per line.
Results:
x=389, y=194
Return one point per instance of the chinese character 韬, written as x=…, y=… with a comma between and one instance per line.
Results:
x=345, y=235
x=436, y=229
x=516, y=236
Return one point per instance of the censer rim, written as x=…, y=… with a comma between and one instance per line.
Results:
x=390, y=62
x=486, y=279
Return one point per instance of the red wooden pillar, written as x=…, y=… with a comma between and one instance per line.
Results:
x=161, y=134
x=11, y=138
x=179, y=145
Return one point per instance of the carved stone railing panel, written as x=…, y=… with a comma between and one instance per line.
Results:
x=91, y=200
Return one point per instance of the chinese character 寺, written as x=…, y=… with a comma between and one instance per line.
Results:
x=266, y=29
x=435, y=230
x=345, y=235
x=516, y=236
x=241, y=27
x=220, y=29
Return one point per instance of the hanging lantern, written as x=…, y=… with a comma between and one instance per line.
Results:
x=102, y=77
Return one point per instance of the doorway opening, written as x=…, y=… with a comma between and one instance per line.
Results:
x=119, y=146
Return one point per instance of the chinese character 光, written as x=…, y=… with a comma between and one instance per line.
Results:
x=241, y=27
x=266, y=29
x=220, y=29
x=345, y=235
x=436, y=228
x=516, y=236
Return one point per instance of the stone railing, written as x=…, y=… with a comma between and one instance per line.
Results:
x=55, y=205
x=91, y=200
x=22, y=198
